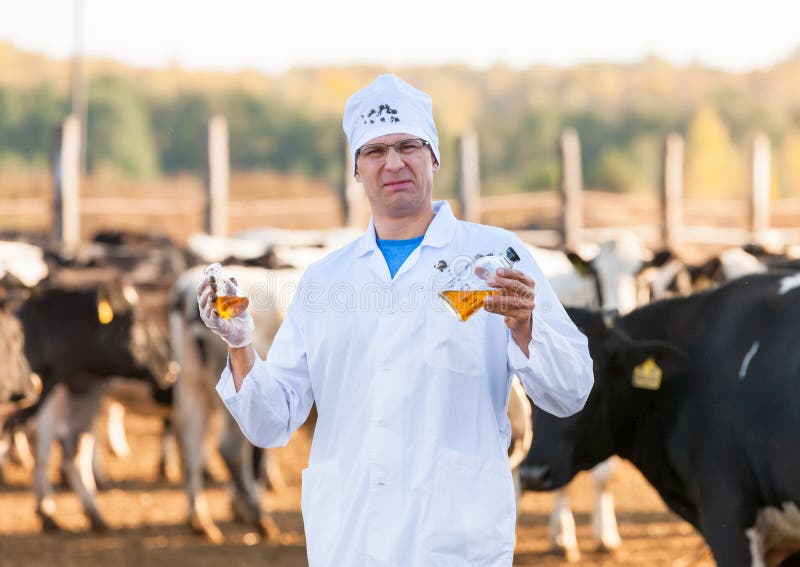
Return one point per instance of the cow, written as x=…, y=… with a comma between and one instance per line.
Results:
x=22, y=268
x=702, y=395
x=19, y=386
x=76, y=341
x=202, y=356
x=667, y=275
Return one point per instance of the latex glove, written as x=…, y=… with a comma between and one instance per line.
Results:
x=237, y=331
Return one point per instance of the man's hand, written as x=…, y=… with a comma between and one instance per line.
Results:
x=515, y=303
x=238, y=331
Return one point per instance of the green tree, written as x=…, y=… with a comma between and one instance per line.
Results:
x=119, y=132
x=27, y=118
x=180, y=129
x=266, y=133
x=614, y=171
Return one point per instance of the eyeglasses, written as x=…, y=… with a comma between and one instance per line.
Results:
x=379, y=152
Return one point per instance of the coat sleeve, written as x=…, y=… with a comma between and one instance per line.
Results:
x=276, y=395
x=558, y=374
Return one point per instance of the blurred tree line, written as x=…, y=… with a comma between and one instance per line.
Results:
x=151, y=123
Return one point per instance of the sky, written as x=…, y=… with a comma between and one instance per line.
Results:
x=274, y=36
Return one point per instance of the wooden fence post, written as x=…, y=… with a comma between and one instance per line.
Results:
x=357, y=207
x=470, y=179
x=672, y=191
x=216, y=218
x=571, y=188
x=760, y=194
x=66, y=173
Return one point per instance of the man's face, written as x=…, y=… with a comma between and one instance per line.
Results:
x=401, y=184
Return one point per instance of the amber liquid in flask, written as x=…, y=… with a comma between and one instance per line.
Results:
x=465, y=303
x=229, y=306
x=464, y=294
x=227, y=303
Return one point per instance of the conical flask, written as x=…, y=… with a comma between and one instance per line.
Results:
x=464, y=294
x=228, y=303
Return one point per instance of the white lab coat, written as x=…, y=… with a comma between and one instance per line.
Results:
x=408, y=465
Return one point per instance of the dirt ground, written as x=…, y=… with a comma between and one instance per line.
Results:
x=148, y=519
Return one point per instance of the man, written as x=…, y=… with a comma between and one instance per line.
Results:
x=408, y=463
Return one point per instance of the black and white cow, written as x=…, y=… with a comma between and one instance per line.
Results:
x=22, y=268
x=77, y=340
x=702, y=394
x=668, y=275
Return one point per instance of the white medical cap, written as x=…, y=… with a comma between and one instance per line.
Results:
x=388, y=105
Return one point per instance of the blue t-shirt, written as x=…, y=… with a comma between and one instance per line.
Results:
x=396, y=251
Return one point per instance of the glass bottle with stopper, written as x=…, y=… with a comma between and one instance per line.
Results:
x=464, y=294
x=224, y=294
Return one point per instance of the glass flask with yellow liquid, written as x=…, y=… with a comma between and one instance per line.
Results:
x=464, y=294
x=224, y=295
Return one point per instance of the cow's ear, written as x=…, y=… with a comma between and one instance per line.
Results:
x=648, y=363
x=583, y=267
x=111, y=300
x=658, y=260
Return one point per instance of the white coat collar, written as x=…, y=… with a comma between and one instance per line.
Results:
x=440, y=232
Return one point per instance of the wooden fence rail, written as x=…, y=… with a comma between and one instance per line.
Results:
x=559, y=217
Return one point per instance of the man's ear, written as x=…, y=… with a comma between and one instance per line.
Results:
x=357, y=175
x=435, y=165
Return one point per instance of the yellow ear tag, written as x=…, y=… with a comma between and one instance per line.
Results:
x=104, y=312
x=703, y=282
x=647, y=375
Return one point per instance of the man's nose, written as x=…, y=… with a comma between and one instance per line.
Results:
x=393, y=159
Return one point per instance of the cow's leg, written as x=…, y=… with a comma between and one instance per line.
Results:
x=730, y=546
x=169, y=467
x=604, y=519
x=563, y=539
x=237, y=453
x=21, y=449
x=79, y=450
x=49, y=416
x=5, y=449
x=98, y=470
x=268, y=469
x=117, y=439
x=515, y=476
x=192, y=413
x=724, y=519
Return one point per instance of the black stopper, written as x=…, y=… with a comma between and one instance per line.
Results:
x=512, y=255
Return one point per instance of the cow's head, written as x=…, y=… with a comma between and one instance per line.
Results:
x=613, y=268
x=17, y=382
x=118, y=305
x=629, y=376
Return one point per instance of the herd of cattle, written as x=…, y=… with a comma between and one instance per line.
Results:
x=697, y=376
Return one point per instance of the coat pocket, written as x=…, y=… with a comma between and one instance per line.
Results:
x=472, y=511
x=455, y=345
x=321, y=506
